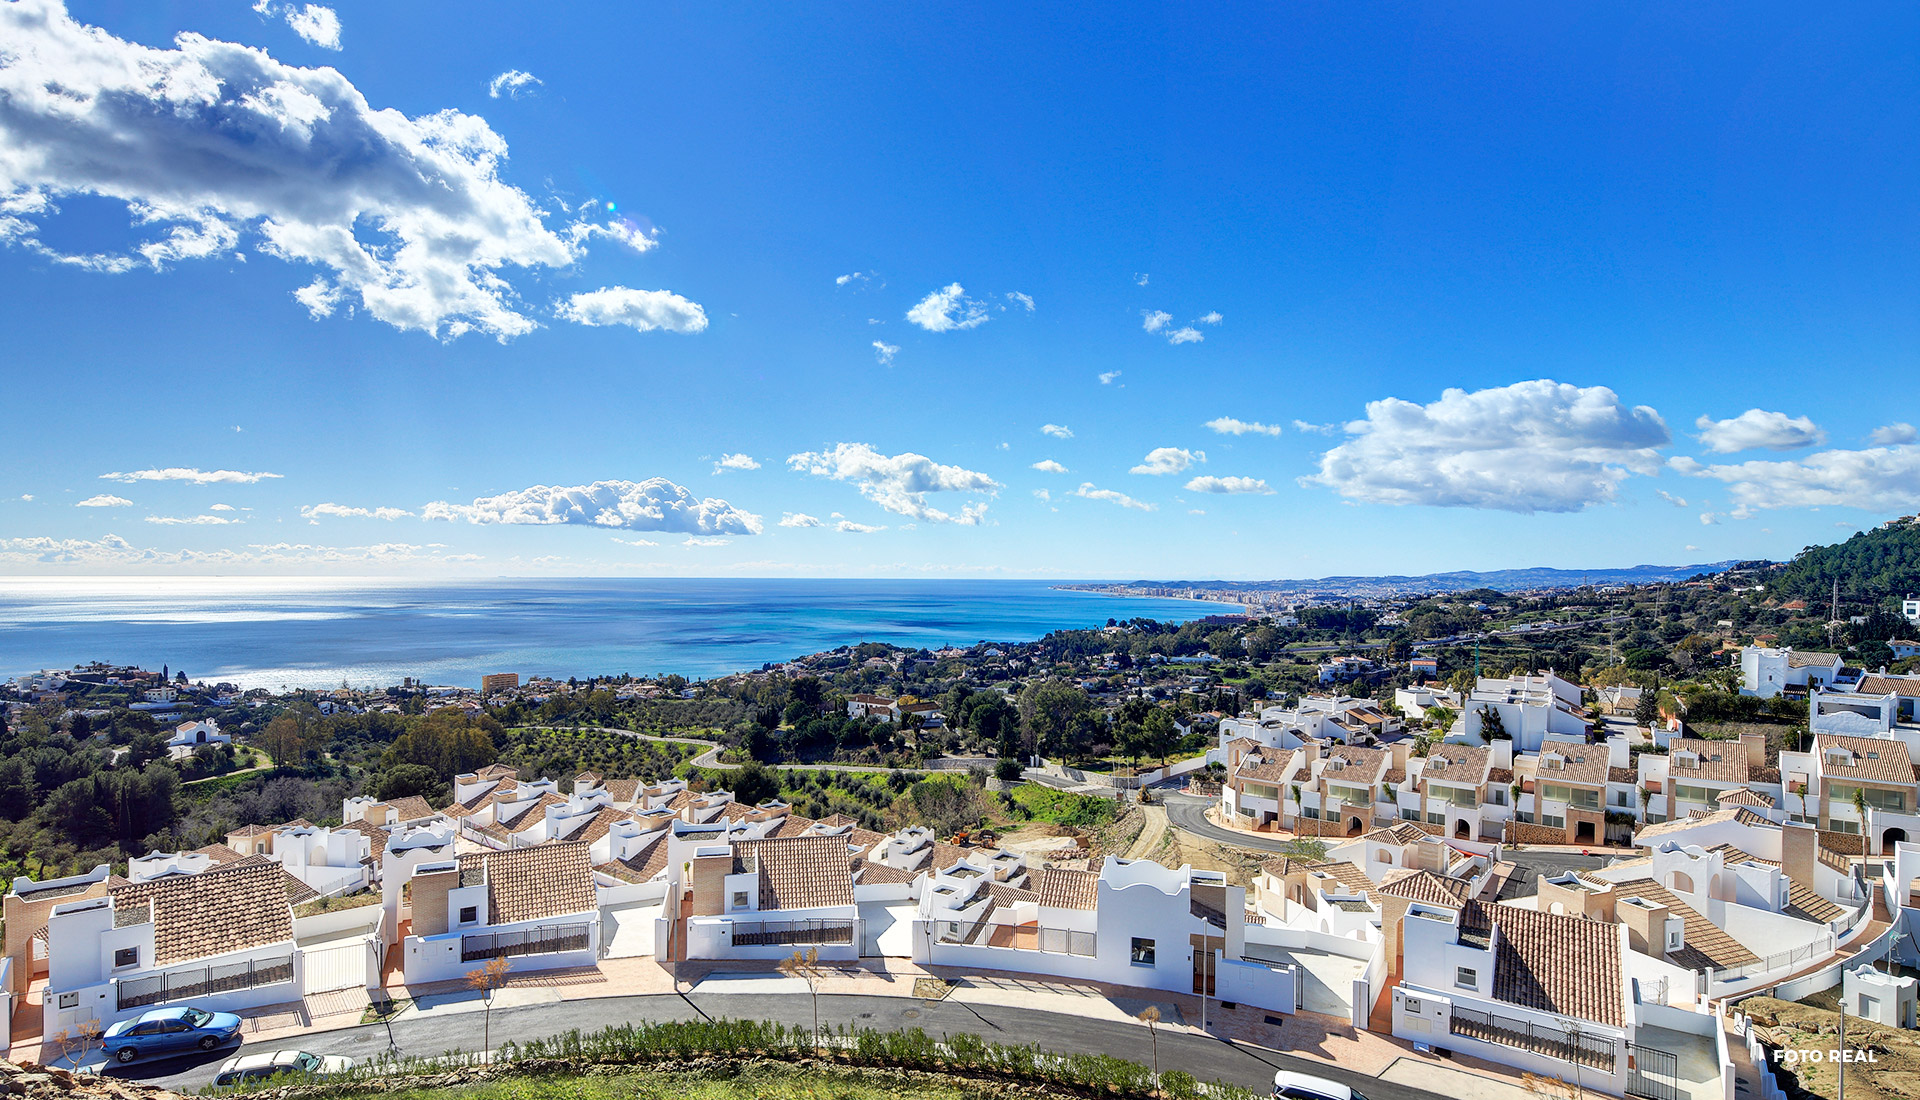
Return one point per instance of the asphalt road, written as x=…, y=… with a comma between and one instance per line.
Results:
x=1188, y=812
x=1204, y=1057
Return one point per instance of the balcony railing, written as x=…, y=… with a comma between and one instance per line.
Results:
x=542, y=940
x=202, y=981
x=1593, y=1051
x=783, y=933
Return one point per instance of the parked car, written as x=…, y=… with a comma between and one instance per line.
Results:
x=169, y=1031
x=1288, y=1085
x=245, y=1069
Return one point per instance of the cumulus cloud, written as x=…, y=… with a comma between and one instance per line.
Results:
x=1107, y=377
x=1168, y=460
x=705, y=540
x=652, y=505
x=1153, y=320
x=1708, y=519
x=1894, y=433
x=1212, y=318
x=948, y=309
x=113, y=550
x=884, y=352
x=192, y=521
x=1022, y=299
x=899, y=483
x=633, y=542
x=852, y=528
x=511, y=83
x=1759, y=429
x=850, y=277
x=1187, y=335
x=1228, y=485
x=223, y=508
x=735, y=462
x=1227, y=425
x=214, y=146
x=104, y=500
x=1875, y=478
x=1539, y=446
x=313, y=513
x=645, y=310
x=1057, y=431
x=1049, y=466
x=799, y=519
x=1088, y=491
x=187, y=473
x=316, y=24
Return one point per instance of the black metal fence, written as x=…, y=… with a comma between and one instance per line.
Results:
x=202, y=981
x=526, y=941
x=1592, y=1051
x=1653, y=1073
x=786, y=933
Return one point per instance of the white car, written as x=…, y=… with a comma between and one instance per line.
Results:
x=1288, y=1085
x=247, y=1069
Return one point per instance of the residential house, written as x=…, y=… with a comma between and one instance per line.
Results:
x=1766, y=672
x=1525, y=709
x=1563, y=794
x=1257, y=793
x=535, y=906
x=759, y=898
x=189, y=737
x=1859, y=785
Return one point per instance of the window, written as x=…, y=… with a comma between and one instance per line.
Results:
x=469, y=914
x=126, y=956
x=1409, y=815
x=1437, y=819
x=69, y=1000
x=1312, y=812
x=1842, y=825
x=1142, y=952
x=1262, y=790
x=1697, y=794
x=1466, y=977
x=739, y=899
x=1553, y=821
x=1345, y=793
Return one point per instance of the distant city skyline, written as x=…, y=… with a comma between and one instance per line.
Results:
x=1233, y=293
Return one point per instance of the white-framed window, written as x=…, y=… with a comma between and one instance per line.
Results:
x=1142, y=952
x=1466, y=977
x=739, y=899
x=126, y=956
x=469, y=914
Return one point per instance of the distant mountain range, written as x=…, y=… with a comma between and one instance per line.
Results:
x=1499, y=580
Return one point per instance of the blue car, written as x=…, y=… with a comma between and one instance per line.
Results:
x=169, y=1031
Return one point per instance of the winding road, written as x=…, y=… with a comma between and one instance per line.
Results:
x=1205, y=1057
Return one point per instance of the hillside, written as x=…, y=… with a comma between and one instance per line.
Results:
x=1537, y=578
x=1873, y=567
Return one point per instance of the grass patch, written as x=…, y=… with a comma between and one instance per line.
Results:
x=759, y=1081
x=1037, y=802
x=328, y=905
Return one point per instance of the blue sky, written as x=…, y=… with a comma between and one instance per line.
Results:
x=1226, y=267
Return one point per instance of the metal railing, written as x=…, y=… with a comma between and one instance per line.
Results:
x=783, y=933
x=1020, y=937
x=1818, y=949
x=202, y=981
x=1592, y=1051
x=541, y=940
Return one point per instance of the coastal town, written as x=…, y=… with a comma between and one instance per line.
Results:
x=1654, y=863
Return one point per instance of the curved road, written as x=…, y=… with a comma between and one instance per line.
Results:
x=1187, y=812
x=1205, y=1057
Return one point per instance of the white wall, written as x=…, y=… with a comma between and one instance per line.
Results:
x=437, y=958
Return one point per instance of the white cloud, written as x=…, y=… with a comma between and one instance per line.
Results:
x=1757, y=428
x=1212, y=318
x=1049, y=466
x=948, y=309
x=850, y=277
x=1539, y=446
x=899, y=483
x=645, y=310
x=652, y=505
x=1708, y=519
x=853, y=528
x=113, y=550
x=1023, y=299
x=192, y=521
x=1140, y=279
x=1123, y=500
x=1153, y=320
x=316, y=24
x=634, y=542
x=705, y=540
x=884, y=352
x=26, y=496
x=314, y=512
x=1107, y=377
x=1677, y=502
x=1227, y=425
x=208, y=143
x=1690, y=546
x=1894, y=433
x=1057, y=431
x=1315, y=429
x=104, y=500
x=1187, y=335
x=1168, y=460
x=735, y=462
x=223, y=508
x=799, y=519
x=1228, y=485
x=1879, y=479
x=186, y=473
x=511, y=83
x=1042, y=494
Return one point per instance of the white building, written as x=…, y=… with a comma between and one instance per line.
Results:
x=534, y=906
x=1530, y=709
x=1767, y=672
x=1910, y=607
x=189, y=737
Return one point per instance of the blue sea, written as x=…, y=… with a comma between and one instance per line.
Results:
x=306, y=632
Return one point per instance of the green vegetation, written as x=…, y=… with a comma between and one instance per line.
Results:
x=1036, y=802
x=565, y=752
x=1873, y=566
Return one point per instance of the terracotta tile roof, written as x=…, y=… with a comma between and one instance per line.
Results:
x=1265, y=765
x=1812, y=659
x=1361, y=765
x=791, y=825
x=1584, y=765
x=1552, y=963
x=1888, y=685
x=1742, y=796
x=411, y=808
x=485, y=799
x=598, y=825
x=1458, y=764
x=1005, y=895
x=251, y=831
x=1283, y=866
x=643, y=865
x=622, y=791
x=239, y=906
x=1707, y=944
x=1739, y=814
x=1874, y=759
x=498, y=771
x=1401, y=832
x=868, y=874
x=1500, y=775
x=1427, y=887
x=1060, y=888
x=1347, y=878
x=1622, y=775
x=1718, y=761
x=545, y=880
x=219, y=853
x=800, y=872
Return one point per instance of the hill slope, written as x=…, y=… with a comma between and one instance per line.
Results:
x=1873, y=566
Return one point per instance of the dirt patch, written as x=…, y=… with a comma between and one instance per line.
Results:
x=1790, y=1025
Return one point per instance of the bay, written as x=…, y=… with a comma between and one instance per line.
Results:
x=320, y=633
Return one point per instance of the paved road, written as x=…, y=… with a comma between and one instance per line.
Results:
x=1204, y=1057
x=1188, y=812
